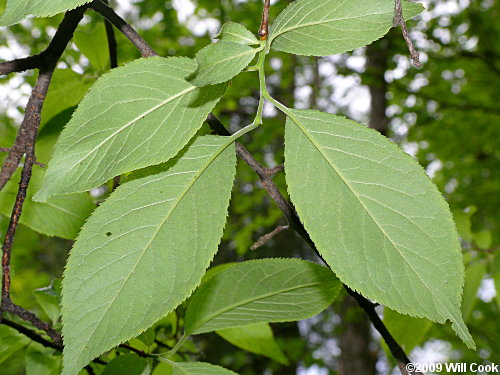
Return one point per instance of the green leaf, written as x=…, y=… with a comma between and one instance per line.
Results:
x=474, y=274
x=66, y=90
x=11, y=342
x=408, y=331
x=375, y=217
x=133, y=117
x=199, y=368
x=261, y=291
x=220, y=62
x=496, y=280
x=326, y=27
x=255, y=338
x=129, y=364
x=144, y=250
x=42, y=361
x=17, y=10
x=463, y=222
x=60, y=216
x=483, y=239
x=237, y=33
x=48, y=299
x=94, y=45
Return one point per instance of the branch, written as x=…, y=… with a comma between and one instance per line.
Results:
x=264, y=25
x=31, y=334
x=268, y=237
x=127, y=30
x=294, y=222
x=400, y=20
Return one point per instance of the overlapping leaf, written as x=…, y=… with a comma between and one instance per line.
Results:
x=144, y=250
x=220, y=62
x=17, y=10
x=135, y=116
x=375, y=216
x=326, y=27
x=255, y=338
x=60, y=216
x=268, y=290
x=237, y=33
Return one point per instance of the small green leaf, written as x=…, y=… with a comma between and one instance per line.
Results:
x=220, y=62
x=17, y=10
x=374, y=215
x=66, y=90
x=496, y=280
x=237, y=33
x=48, y=299
x=134, y=116
x=483, y=239
x=326, y=27
x=42, y=361
x=144, y=250
x=260, y=291
x=408, y=331
x=129, y=364
x=11, y=342
x=199, y=368
x=94, y=45
x=255, y=338
x=474, y=274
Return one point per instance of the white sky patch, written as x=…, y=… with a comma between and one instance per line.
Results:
x=487, y=291
x=185, y=9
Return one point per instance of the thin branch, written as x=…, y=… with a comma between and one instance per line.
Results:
x=268, y=237
x=127, y=30
x=294, y=222
x=10, y=307
x=400, y=20
x=110, y=34
x=31, y=334
x=264, y=25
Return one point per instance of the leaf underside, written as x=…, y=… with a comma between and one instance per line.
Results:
x=138, y=115
x=326, y=27
x=144, y=251
x=375, y=216
x=220, y=62
x=260, y=291
x=235, y=32
x=255, y=338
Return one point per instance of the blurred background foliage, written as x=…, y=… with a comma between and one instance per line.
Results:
x=445, y=114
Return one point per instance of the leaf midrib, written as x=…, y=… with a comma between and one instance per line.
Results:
x=311, y=139
x=133, y=121
x=250, y=300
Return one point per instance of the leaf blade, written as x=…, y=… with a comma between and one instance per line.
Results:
x=133, y=117
x=326, y=27
x=272, y=282
x=375, y=196
x=199, y=368
x=220, y=62
x=255, y=338
x=236, y=32
x=117, y=264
